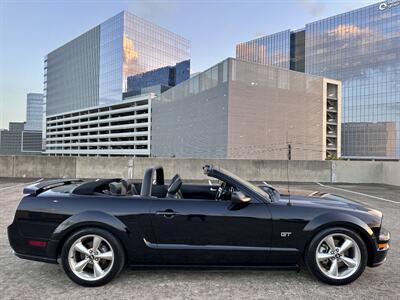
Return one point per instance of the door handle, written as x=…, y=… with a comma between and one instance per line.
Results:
x=168, y=213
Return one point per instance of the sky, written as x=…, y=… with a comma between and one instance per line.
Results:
x=31, y=29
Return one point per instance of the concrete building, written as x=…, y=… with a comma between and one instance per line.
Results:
x=10, y=140
x=361, y=48
x=121, y=129
x=25, y=137
x=238, y=109
x=17, y=141
x=31, y=142
x=34, y=112
x=92, y=69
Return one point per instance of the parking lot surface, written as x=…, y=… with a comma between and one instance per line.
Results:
x=23, y=279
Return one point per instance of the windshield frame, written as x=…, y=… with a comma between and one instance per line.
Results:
x=231, y=178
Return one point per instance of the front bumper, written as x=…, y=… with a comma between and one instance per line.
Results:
x=379, y=258
x=381, y=249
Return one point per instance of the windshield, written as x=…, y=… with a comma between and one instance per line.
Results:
x=245, y=183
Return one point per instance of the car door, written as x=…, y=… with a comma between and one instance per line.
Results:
x=133, y=211
x=211, y=232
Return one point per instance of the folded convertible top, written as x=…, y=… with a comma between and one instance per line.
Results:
x=39, y=187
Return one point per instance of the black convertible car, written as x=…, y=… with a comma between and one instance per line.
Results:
x=95, y=228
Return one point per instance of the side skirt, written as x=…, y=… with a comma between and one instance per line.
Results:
x=215, y=267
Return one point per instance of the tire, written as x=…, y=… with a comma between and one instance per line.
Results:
x=334, y=266
x=92, y=257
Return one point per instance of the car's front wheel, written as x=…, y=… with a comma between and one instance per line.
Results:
x=336, y=256
x=92, y=257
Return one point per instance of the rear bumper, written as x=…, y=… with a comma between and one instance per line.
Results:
x=36, y=258
x=22, y=248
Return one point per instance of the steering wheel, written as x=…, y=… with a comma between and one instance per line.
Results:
x=223, y=191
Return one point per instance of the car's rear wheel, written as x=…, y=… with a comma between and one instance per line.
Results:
x=92, y=257
x=336, y=256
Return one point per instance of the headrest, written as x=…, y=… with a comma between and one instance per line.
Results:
x=174, y=178
x=115, y=188
x=175, y=184
x=129, y=187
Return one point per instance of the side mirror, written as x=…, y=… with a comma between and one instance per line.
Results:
x=239, y=197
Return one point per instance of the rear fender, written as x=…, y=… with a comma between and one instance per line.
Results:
x=86, y=219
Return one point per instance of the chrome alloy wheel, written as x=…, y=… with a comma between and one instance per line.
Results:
x=338, y=256
x=91, y=257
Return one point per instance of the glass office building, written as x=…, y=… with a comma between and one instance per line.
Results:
x=34, y=112
x=92, y=69
x=362, y=49
x=271, y=50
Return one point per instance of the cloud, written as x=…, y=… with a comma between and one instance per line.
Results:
x=313, y=7
x=345, y=30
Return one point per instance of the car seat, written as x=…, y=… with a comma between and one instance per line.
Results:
x=174, y=188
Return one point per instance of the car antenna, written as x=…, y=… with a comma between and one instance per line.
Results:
x=289, y=156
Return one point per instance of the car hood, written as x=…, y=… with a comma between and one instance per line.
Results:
x=324, y=200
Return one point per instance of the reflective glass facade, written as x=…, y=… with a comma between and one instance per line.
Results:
x=92, y=69
x=71, y=75
x=34, y=112
x=297, y=48
x=166, y=76
x=148, y=46
x=271, y=50
x=110, y=74
x=362, y=49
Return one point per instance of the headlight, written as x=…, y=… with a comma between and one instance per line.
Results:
x=384, y=235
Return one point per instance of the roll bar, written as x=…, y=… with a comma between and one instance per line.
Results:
x=148, y=179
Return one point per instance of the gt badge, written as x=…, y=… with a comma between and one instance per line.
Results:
x=285, y=233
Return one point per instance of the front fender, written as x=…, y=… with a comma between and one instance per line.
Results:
x=337, y=219
x=86, y=218
x=341, y=220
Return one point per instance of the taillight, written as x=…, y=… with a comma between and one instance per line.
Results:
x=37, y=243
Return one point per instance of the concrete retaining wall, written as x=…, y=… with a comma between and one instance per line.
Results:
x=44, y=167
x=391, y=173
x=260, y=170
x=101, y=167
x=191, y=169
x=6, y=166
x=357, y=171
